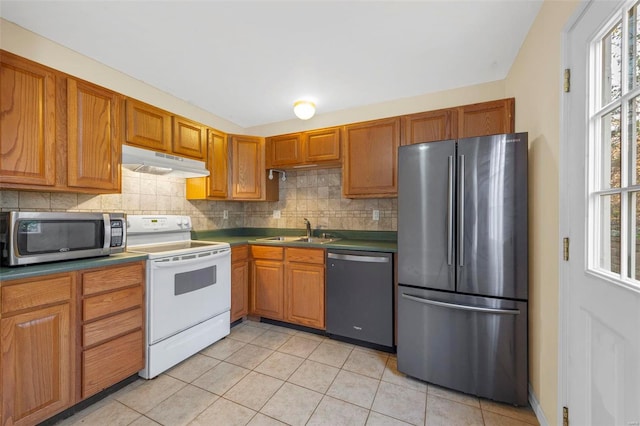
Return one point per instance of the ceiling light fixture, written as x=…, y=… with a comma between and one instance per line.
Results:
x=304, y=110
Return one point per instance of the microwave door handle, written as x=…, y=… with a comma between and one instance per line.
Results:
x=107, y=231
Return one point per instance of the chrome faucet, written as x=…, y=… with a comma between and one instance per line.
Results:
x=306, y=221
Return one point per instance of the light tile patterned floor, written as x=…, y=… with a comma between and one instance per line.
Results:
x=264, y=374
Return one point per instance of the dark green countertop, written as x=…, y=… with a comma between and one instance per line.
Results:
x=382, y=241
x=28, y=271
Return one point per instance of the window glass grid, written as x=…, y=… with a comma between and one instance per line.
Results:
x=614, y=164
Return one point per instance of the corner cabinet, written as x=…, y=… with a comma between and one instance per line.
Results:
x=371, y=159
x=38, y=345
x=237, y=167
x=93, y=137
x=27, y=122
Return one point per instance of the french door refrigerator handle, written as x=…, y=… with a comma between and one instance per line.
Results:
x=450, y=214
x=461, y=210
x=461, y=307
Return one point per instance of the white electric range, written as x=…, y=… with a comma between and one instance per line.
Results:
x=188, y=290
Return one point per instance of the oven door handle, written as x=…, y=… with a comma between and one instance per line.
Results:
x=186, y=259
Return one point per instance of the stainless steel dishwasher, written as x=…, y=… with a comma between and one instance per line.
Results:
x=360, y=296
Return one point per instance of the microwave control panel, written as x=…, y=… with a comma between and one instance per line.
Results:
x=117, y=231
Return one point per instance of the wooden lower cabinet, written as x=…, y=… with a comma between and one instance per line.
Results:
x=38, y=345
x=287, y=284
x=239, y=282
x=304, y=287
x=112, y=331
x=267, y=289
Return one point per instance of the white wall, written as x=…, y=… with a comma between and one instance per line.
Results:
x=535, y=81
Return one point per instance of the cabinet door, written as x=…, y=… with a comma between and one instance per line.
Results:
x=217, y=162
x=248, y=170
x=285, y=150
x=189, y=138
x=370, y=163
x=267, y=289
x=304, y=290
x=239, y=289
x=93, y=129
x=487, y=118
x=429, y=127
x=322, y=145
x=36, y=364
x=148, y=126
x=27, y=122
x=239, y=282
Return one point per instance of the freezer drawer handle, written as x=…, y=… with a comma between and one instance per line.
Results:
x=356, y=258
x=461, y=307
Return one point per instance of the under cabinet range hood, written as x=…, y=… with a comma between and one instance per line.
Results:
x=158, y=163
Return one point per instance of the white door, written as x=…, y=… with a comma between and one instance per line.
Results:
x=600, y=178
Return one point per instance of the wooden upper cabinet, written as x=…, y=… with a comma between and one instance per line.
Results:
x=248, y=173
x=285, y=150
x=93, y=136
x=314, y=148
x=247, y=164
x=429, y=126
x=486, y=118
x=189, y=138
x=27, y=122
x=148, y=126
x=322, y=145
x=370, y=159
x=218, y=165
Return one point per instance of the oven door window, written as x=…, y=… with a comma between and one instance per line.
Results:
x=53, y=236
x=187, y=282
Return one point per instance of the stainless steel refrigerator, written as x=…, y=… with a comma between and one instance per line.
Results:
x=462, y=265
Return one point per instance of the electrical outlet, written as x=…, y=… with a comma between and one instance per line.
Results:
x=276, y=214
x=225, y=214
x=376, y=215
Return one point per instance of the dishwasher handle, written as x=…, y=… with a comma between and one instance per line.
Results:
x=358, y=258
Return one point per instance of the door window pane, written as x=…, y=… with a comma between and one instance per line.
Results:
x=634, y=48
x=633, y=138
x=612, y=64
x=610, y=232
x=611, y=150
x=634, y=240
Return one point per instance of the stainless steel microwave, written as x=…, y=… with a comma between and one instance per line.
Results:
x=37, y=237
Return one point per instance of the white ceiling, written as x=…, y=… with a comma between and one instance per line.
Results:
x=248, y=61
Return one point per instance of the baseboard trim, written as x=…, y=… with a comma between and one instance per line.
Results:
x=535, y=405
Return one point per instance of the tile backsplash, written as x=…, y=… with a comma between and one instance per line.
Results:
x=314, y=194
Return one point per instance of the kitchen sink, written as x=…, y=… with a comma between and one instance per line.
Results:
x=286, y=239
x=281, y=239
x=317, y=240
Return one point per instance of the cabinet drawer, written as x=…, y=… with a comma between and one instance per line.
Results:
x=97, y=281
x=239, y=253
x=305, y=255
x=109, y=303
x=109, y=363
x=107, y=328
x=36, y=292
x=264, y=252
